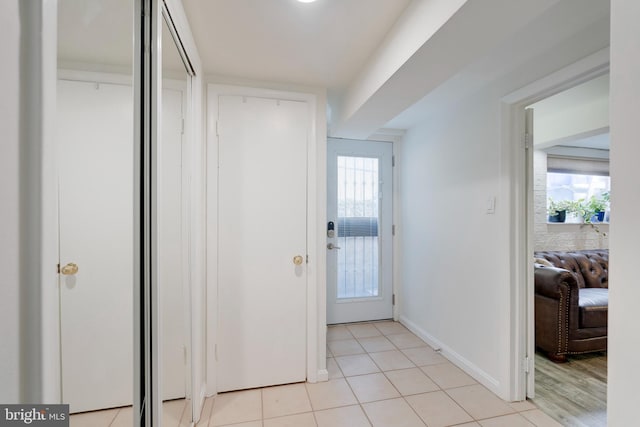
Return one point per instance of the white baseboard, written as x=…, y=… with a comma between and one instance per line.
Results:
x=323, y=375
x=470, y=368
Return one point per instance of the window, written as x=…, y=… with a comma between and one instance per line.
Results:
x=574, y=187
x=581, y=185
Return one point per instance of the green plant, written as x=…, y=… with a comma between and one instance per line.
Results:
x=597, y=204
x=555, y=207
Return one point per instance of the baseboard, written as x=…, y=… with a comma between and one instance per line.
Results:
x=470, y=368
x=323, y=375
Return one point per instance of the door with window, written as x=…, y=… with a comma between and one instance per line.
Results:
x=359, y=231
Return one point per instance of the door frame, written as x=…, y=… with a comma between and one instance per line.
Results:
x=513, y=115
x=316, y=266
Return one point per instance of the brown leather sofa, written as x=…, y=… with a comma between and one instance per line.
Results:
x=571, y=302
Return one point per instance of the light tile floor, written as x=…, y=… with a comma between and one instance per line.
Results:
x=380, y=375
x=175, y=413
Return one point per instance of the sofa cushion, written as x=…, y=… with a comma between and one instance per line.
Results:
x=594, y=267
x=594, y=306
x=591, y=267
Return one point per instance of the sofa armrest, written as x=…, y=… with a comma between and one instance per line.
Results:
x=553, y=282
x=556, y=310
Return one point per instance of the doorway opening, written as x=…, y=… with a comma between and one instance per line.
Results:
x=570, y=184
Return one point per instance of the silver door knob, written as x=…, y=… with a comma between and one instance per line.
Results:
x=332, y=246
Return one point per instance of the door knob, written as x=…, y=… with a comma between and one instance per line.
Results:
x=297, y=260
x=332, y=246
x=69, y=269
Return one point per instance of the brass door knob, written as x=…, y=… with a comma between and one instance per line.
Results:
x=69, y=269
x=298, y=260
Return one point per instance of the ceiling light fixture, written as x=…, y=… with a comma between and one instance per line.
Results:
x=306, y=1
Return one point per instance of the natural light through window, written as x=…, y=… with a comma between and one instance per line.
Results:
x=358, y=217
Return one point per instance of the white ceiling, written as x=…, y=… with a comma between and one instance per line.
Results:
x=324, y=43
x=333, y=44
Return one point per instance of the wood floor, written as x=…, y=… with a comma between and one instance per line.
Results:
x=574, y=393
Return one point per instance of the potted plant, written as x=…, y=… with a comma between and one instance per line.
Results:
x=595, y=208
x=558, y=210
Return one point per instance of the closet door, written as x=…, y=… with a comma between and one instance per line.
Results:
x=262, y=242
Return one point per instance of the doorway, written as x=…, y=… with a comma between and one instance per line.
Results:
x=570, y=168
x=359, y=230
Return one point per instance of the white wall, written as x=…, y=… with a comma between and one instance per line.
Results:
x=457, y=258
x=624, y=339
x=583, y=119
x=9, y=187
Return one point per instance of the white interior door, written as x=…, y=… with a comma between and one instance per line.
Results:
x=359, y=245
x=94, y=139
x=262, y=226
x=95, y=132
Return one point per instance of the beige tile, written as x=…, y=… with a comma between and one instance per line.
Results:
x=389, y=328
x=423, y=356
x=247, y=424
x=392, y=413
x=540, y=419
x=349, y=416
x=94, y=419
x=391, y=360
x=330, y=394
x=472, y=424
x=124, y=418
x=479, y=402
x=364, y=330
x=345, y=347
x=437, y=409
x=298, y=420
x=407, y=340
x=173, y=412
x=411, y=381
x=334, y=369
x=524, y=405
x=447, y=375
x=376, y=344
x=285, y=400
x=372, y=387
x=205, y=415
x=237, y=407
x=335, y=333
x=358, y=364
x=513, y=420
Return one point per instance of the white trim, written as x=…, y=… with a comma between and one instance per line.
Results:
x=316, y=370
x=395, y=136
x=522, y=335
x=470, y=368
x=194, y=134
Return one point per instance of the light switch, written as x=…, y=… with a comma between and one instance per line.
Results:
x=491, y=205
